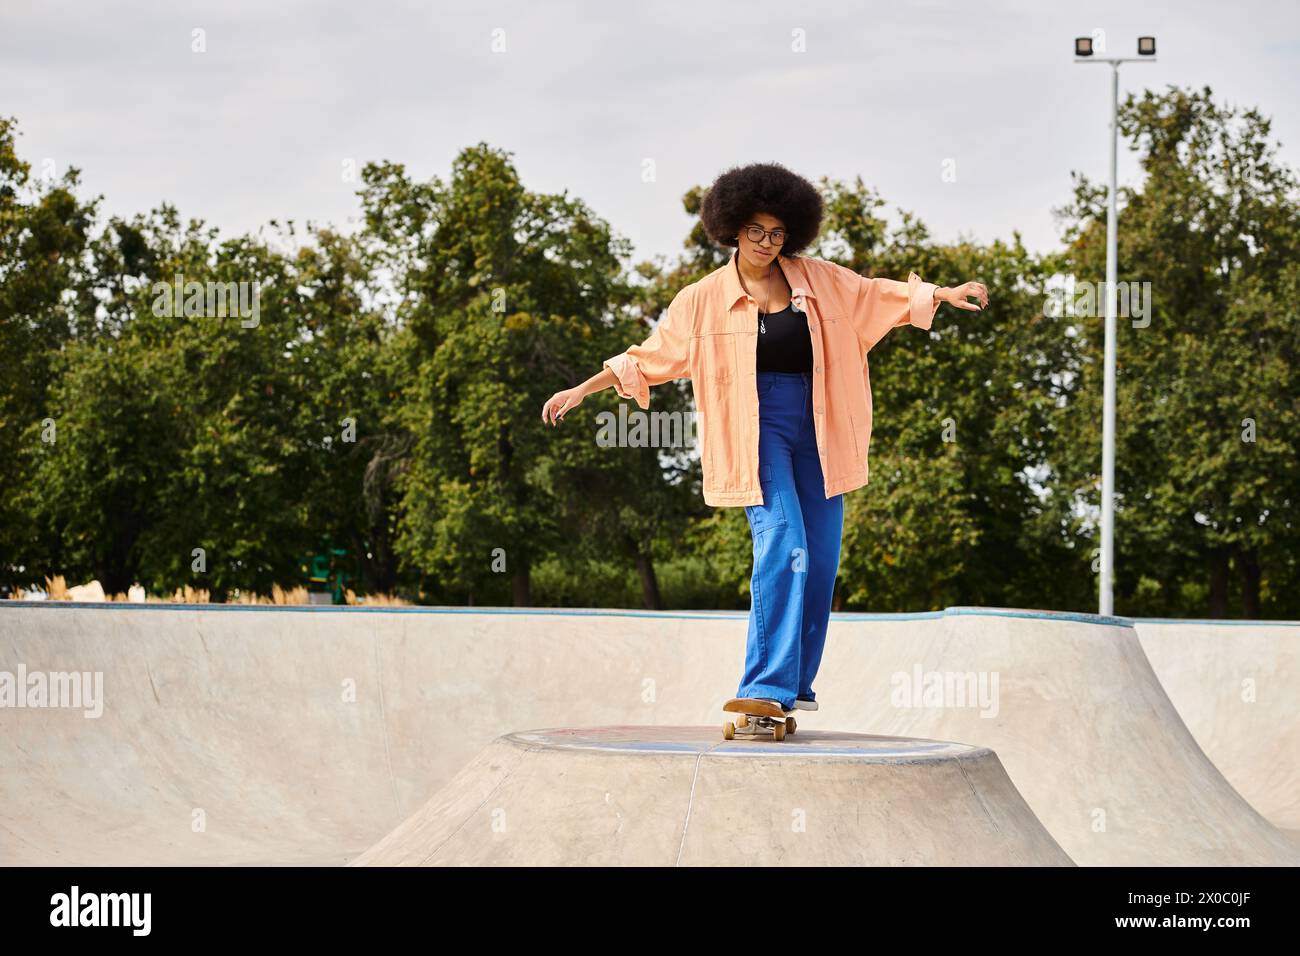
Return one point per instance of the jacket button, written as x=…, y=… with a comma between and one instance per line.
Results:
x=819, y=368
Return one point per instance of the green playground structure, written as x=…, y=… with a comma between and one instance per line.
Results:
x=328, y=571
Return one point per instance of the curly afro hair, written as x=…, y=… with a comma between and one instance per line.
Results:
x=742, y=191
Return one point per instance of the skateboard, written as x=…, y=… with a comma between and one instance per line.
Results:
x=757, y=717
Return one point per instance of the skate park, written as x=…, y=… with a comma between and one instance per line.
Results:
x=436, y=443
x=281, y=736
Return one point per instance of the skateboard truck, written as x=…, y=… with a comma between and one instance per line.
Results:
x=757, y=717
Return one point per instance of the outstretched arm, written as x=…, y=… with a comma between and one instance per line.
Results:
x=662, y=357
x=882, y=304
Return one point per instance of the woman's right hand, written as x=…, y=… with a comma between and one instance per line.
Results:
x=561, y=403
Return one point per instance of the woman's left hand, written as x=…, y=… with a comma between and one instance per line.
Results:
x=957, y=296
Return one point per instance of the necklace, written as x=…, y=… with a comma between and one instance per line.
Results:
x=767, y=293
x=767, y=297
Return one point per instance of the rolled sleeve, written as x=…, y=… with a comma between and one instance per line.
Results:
x=662, y=357
x=924, y=304
x=629, y=381
x=879, y=305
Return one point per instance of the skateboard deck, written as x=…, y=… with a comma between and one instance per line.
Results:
x=757, y=717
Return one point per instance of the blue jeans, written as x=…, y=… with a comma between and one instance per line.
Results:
x=796, y=532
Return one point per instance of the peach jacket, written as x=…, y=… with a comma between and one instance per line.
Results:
x=710, y=335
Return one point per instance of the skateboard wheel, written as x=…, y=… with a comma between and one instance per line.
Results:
x=790, y=725
x=778, y=731
x=729, y=731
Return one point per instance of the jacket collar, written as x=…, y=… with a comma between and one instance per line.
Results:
x=734, y=292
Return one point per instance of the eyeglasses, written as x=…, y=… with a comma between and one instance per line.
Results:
x=756, y=234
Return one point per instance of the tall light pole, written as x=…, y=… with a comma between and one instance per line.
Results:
x=1083, y=53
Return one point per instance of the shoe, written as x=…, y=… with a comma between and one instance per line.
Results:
x=805, y=705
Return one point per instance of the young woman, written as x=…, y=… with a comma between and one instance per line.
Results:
x=775, y=345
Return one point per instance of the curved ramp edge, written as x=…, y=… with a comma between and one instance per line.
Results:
x=682, y=796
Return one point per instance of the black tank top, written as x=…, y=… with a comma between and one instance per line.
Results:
x=784, y=342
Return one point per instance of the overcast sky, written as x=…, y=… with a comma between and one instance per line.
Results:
x=260, y=126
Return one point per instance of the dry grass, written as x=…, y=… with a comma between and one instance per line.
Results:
x=57, y=589
x=376, y=600
x=296, y=595
x=189, y=595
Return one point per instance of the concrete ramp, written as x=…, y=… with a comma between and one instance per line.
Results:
x=1077, y=716
x=662, y=796
x=222, y=738
x=1236, y=684
x=305, y=735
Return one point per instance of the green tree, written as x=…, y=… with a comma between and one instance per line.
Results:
x=501, y=294
x=44, y=230
x=1206, y=450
